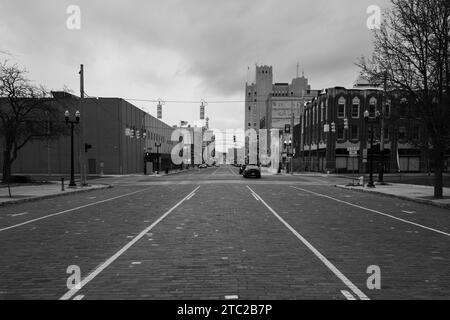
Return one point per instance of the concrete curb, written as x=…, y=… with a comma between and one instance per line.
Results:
x=421, y=201
x=50, y=196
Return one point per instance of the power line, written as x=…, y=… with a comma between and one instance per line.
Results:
x=186, y=101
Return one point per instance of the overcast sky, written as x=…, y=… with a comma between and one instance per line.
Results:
x=186, y=50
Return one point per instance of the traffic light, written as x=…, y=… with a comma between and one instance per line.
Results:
x=87, y=146
x=346, y=124
x=333, y=127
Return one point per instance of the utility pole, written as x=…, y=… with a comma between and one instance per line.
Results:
x=383, y=112
x=49, y=171
x=82, y=155
x=292, y=142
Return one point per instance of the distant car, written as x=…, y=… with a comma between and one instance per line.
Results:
x=252, y=171
x=202, y=166
x=241, y=169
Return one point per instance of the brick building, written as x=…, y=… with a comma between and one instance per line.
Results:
x=334, y=122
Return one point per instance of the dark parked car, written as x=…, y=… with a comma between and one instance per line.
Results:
x=252, y=171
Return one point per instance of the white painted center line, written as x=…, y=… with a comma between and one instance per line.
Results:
x=70, y=210
x=232, y=297
x=348, y=295
x=316, y=252
x=79, y=297
x=113, y=258
x=254, y=196
x=191, y=196
x=374, y=211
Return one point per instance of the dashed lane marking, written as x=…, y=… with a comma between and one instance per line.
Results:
x=231, y=170
x=374, y=211
x=70, y=210
x=18, y=214
x=69, y=294
x=316, y=252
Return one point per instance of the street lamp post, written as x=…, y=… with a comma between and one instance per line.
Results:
x=72, y=126
x=158, y=146
x=287, y=146
x=371, y=183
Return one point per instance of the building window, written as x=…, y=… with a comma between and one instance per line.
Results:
x=249, y=124
x=249, y=108
x=340, y=133
x=416, y=133
x=323, y=112
x=402, y=133
x=387, y=109
x=315, y=115
x=341, y=107
x=355, y=108
x=402, y=108
x=354, y=132
x=386, y=133
x=372, y=107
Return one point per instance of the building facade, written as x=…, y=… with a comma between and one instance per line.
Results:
x=334, y=124
x=277, y=106
x=123, y=138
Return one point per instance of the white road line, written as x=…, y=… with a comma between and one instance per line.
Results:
x=108, y=262
x=79, y=297
x=348, y=295
x=254, y=196
x=214, y=173
x=234, y=173
x=70, y=210
x=191, y=196
x=18, y=214
x=321, y=257
x=375, y=211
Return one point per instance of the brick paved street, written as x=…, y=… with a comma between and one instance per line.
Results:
x=208, y=234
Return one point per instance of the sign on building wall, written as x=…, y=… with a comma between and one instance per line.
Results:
x=282, y=113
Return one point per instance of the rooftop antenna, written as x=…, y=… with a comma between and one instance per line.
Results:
x=298, y=66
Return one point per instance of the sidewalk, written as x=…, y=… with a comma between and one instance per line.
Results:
x=416, y=193
x=27, y=193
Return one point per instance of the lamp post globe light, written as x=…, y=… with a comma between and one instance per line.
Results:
x=72, y=126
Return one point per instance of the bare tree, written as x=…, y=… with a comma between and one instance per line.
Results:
x=26, y=114
x=411, y=52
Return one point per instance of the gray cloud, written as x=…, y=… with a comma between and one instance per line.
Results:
x=186, y=49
